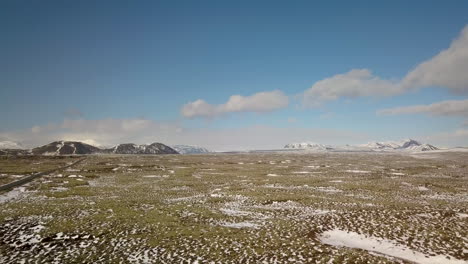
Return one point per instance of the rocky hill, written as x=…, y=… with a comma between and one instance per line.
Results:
x=65, y=148
x=130, y=148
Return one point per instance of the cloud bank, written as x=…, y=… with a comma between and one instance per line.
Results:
x=108, y=132
x=104, y=132
x=259, y=102
x=444, y=108
x=448, y=70
x=455, y=138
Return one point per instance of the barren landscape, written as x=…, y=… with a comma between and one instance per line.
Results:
x=237, y=208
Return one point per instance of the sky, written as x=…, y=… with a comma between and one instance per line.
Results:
x=232, y=75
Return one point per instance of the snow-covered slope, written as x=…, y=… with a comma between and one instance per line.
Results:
x=407, y=144
x=130, y=148
x=186, y=149
x=308, y=146
x=10, y=145
x=423, y=147
x=381, y=145
x=410, y=145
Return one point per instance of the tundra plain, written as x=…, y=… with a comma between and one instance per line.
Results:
x=237, y=208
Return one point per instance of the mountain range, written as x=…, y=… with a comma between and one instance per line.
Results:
x=79, y=148
x=404, y=145
x=408, y=144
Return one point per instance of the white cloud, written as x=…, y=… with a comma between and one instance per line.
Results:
x=448, y=69
x=355, y=83
x=259, y=102
x=200, y=108
x=444, y=108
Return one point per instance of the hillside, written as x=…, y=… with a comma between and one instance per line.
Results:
x=130, y=148
x=65, y=148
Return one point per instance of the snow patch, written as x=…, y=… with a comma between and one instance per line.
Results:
x=340, y=238
x=357, y=171
x=241, y=225
x=13, y=194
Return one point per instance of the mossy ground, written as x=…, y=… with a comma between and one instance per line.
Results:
x=235, y=208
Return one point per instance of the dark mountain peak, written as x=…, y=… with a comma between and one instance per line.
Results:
x=410, y=143
x=65, y=148
x=130, y=148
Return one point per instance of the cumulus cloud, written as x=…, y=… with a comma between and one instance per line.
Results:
x=200, y=108
x=355, y=83
x=447, y=70
x=444, y=108
x=259, y=102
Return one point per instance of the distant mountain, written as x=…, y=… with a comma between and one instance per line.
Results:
x=65, y=148
x=308, y=145
x=130, y=148
x=10, y=145
x=404, y=145
x=185, y=149
x=80, y=148
x=380, y=145
x=407, y=144
x=423, y=147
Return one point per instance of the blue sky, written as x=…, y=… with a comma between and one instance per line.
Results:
x=146, y=60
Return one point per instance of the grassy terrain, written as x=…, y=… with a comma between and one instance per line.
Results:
x=234, y=208
x=13, y=168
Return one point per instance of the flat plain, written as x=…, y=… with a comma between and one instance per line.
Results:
x=237, y=208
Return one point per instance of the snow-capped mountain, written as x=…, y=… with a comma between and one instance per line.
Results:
x=381, y=145
x=308, y=145
x=130, y=148
x=407, y=144
x=10, y=145
x=422, y=147
x=186, y=149
x=65, y=148
x=403, y=145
